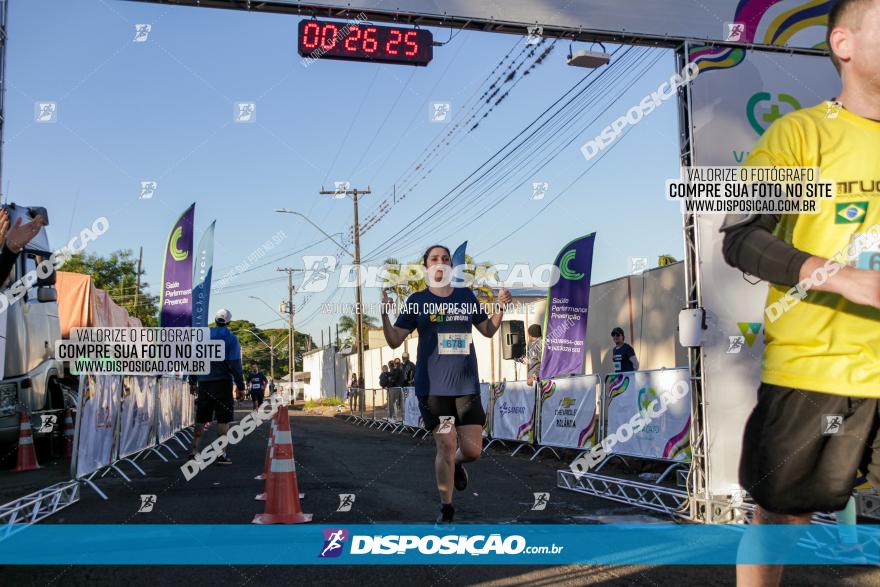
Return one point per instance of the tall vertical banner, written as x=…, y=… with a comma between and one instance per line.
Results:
x=459, y=259
x=732, y=103
x=177, y=274
x=204, y=265
x=565, y=322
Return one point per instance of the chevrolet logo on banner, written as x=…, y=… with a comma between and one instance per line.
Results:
x=850, y=213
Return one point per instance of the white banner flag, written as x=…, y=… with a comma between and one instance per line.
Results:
x=136, y=416
x=513, y=413
x=98, y=410
x=665, y=434
x=569, y=410
x=166, y=409
x=411, y=414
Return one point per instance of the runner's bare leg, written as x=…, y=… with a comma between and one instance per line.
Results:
x=765, y=575
x=470, y=443
x=444, y=462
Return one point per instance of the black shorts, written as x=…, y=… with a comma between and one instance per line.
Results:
x=257, y=396
x=802, y=449
x=466, y=409
x=214, y=402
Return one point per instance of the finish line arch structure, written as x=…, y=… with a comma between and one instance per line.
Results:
x=753, y=55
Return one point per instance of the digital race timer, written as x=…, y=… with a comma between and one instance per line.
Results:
x=320, y=39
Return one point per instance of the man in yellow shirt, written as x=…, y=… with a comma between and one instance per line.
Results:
x=816, y=422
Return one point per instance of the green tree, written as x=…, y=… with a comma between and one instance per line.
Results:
x=117, y=275
x=396, y=287
x=475, y=272
x=254, y=351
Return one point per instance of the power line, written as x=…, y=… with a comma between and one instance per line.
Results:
x=574, y=135
x=489, y=161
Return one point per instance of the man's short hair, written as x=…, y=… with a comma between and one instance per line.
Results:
x=848, y=11
x=535, y=330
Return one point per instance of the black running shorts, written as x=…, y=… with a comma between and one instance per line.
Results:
x=214, y=401
x=466, y=409
x=257, y=396
x=802, y=449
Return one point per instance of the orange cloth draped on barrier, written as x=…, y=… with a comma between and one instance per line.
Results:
x=81, y=304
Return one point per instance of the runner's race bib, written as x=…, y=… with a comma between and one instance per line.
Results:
x=869, y=257
x=453, y=343
x=256, y=386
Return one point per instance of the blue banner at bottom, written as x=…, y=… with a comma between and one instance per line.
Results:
x=522, y=544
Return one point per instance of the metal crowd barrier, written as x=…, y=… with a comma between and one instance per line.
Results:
x=380, y=408
x=167, y=422
x=383, y=409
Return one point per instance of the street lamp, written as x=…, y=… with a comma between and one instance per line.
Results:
x=268, y=306
x=356, y=255
x=321, y=230
x=291, y=339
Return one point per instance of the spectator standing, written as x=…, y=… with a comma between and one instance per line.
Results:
x=383, y=377
x=534, y=352
x=408, y=369
x=623, y=355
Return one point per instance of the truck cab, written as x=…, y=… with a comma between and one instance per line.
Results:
x=29, y=328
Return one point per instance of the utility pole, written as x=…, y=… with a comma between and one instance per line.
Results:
x=289, y=310
x=359, y=304
x=137, y=291
x=272, y=357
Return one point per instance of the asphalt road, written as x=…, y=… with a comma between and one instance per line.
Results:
x=392, y=479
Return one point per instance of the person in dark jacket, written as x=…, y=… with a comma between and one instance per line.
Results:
x=214, y=400
x=408, y=368
x=395, y=376
x=383, y=377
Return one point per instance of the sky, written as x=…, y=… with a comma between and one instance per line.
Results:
x=164, y=110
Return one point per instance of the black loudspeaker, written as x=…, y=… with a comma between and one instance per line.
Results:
x=513, y=339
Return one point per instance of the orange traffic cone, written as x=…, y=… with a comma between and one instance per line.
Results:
x=269, y=455
x=68, y=432
x=282, y=493
x=262, y=476
x=27, y=456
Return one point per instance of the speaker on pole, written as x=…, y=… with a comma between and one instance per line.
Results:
x=513, y=339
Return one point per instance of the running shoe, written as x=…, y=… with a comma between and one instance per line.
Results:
x=447, y=514
x=461, y=477
x=223, y=460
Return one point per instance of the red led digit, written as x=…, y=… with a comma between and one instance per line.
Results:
x=328, y=39
x=412, y=46
x=394, y=39
x=353, y=37
x=370, y=42
x=311, y=34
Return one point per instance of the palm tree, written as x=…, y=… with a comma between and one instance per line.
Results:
x=483, y=292
x=393, y=284
x=348, y=327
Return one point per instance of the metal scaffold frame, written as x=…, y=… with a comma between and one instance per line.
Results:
x=30, y=509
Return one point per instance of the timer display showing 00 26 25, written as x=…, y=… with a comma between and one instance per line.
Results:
x=320, y=39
